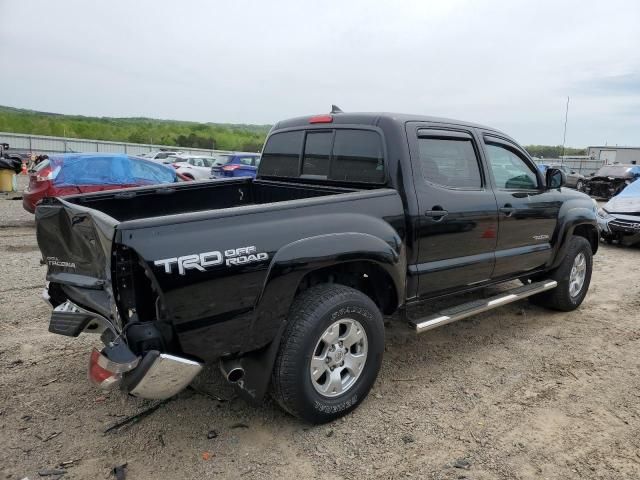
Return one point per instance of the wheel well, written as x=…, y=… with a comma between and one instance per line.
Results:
x=590, y=233
x=367, y=277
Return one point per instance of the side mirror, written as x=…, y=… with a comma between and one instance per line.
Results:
x=573, y=172
x=555, y=178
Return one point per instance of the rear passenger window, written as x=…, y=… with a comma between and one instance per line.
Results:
x=357, y=157
x=317, y=151
x=281, y=154
x=450, y=162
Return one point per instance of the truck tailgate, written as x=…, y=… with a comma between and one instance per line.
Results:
x=76, y=246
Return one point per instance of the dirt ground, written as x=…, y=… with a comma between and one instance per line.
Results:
x=517, y=393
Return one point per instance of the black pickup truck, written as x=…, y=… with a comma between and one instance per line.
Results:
x=284, y=279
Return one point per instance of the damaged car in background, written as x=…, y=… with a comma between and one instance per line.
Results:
x=619, y=219
x=610, y=180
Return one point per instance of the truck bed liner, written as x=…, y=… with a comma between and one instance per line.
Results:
x=148, y=202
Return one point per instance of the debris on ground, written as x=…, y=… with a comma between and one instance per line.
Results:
x=408, y=438
x=120, y=472
x=462, y=463
x=46, y=438
x=239, y=425
x=53, y=471
x=138, y=416
x=212, y=434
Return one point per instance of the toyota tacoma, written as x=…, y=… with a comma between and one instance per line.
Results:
x=284, y=279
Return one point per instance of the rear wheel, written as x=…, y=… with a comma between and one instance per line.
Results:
x=330, y=353
x=573, y=277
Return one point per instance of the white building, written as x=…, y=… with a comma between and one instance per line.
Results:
x=609, y=155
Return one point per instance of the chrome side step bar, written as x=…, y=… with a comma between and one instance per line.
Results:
x=465, y=310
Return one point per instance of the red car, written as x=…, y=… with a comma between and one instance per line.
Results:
x=73, y=173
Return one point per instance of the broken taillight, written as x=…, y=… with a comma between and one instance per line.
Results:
x=104, y=373
x=44, y=175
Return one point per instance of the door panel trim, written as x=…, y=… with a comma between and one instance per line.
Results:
x=527, y=258
x=446, y=264
x=517, y=251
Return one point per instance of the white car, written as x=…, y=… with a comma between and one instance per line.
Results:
x=193, y=167
x=160, y=156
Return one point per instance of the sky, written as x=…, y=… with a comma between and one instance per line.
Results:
x=508, y=64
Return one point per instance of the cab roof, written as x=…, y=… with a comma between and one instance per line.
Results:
x=373, y=118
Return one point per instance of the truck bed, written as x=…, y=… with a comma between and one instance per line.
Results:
x=149, y=202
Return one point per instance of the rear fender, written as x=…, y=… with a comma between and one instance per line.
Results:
x=295, y=260
x=288, y=267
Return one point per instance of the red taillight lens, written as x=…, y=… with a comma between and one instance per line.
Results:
x=99, y=375
x=321, y=119
x=175, y=165
x=230, y=168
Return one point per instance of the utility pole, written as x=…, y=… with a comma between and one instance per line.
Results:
x=564, y=135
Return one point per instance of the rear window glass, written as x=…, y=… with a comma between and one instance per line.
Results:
x=357, y=157
x=347, y=155
x=449, y=162
x=317, y=151
x=281, y=154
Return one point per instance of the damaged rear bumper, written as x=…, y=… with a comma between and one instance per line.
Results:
x=152, y=375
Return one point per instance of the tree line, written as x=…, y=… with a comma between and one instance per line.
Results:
x=247, y=138
x=553, y=151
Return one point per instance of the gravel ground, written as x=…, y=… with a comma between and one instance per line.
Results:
x=517, y=393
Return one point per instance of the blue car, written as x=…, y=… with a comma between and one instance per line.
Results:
x=236, y=165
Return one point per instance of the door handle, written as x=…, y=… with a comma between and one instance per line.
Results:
x=507, y=209
x=437, y=213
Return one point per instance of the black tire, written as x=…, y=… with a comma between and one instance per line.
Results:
x=312, y=312
x=560, y=297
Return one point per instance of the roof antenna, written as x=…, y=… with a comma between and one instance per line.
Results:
x=336, y=109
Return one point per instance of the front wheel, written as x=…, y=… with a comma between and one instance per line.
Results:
x=573, y=277
x=330, y=353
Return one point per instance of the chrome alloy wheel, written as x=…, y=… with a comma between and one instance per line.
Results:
x=339, y=357
x=578, y=274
